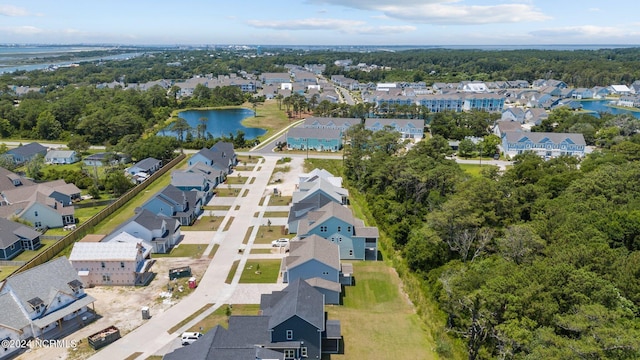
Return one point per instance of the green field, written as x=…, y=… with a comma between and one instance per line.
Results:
x=260, y=272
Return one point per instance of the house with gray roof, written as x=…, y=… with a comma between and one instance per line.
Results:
x=42, y=299
x=336, y=223
x=146, y=166
x=547, y=145
x=228, y=152
x=291, y=325
x=24, y=153
x=15, y=238
x=161, y=231
x=184, y=206
x=318, y=259
x=408, y=128
x=322, y=139
x=61, y=157
x=10, y=180
x=214, y=159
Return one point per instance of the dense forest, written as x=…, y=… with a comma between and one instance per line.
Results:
x=538, y=262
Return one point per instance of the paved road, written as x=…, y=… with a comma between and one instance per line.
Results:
x=152, y=337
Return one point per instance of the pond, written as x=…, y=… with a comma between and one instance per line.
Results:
x=220, y=122
x=598, y=106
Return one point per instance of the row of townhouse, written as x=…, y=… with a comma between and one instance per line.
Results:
x=517, y=140
x=491, y=102
x=123, y=256
x=326, y=134
x=42, y=302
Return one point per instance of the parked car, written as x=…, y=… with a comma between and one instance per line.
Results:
x=282, y=242
x=190, y=337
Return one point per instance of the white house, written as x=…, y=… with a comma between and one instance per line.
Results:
x=61, y=157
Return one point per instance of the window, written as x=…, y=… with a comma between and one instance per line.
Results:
x=339, y=228
x=289, y=354
x=106, y=278
x=350, y=252
x=323, y=229
x=289, y=334
x=303, y=351
x=122, y=264
x=349, y=229
x=103, y=265
x=35, y=213
x=37, y=224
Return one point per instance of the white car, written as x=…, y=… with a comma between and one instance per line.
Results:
x=282, y=242
x=190, y=337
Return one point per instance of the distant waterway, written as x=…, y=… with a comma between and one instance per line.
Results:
x=53, y=64
x=598, y=106
x=219, y=122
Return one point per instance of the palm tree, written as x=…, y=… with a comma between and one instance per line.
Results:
x=202, y=127
x=180, y=126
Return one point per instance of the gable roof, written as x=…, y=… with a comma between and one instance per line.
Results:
x=28, y=149
x=147, y=164
x=7, y=179
x=60, y=154
x=44, y=282
x=314, y=133
x=313, y=248
x=12, y=315
x=104, y=251
x=298, y=299
x=12, y=232
x=537, y=137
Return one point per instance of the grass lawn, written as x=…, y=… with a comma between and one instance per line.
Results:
x=236, y=180
x=267, y=274
x=6, y=271
x=393, y=330
x=279, y=200
x=333, y=166
x=28, y=254
x=268, y=214
x=260, y=251
x=127, y=211
x=219, y=317
x=226, y=192
x=268, y=117
x=474, y=170
x=232, y=272
x=247, y=235
x=189, y=318
x=205, y=223
x=264, y=236
x=184, y=250
x=216, y=207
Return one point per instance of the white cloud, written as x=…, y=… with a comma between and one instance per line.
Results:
x=307, y=24
x=594, y=9
x=450, y=12
x=23, y=30
x=10, y=10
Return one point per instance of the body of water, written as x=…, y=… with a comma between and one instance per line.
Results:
x=219, y=122
x=598, y=106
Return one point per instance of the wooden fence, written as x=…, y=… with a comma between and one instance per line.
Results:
x=84, y=228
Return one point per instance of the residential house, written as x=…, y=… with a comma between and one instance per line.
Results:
x=46, y=205
x=24, y=153
x=145, y=166
x=10, y=180
x=441, y=102
x=15, y=238
x=503, y=126
x=292, y=324
x=337, y=224
x=214, y=159
x=312, y=194
x=341, y=124
x=513, y=114
x=320, y=173
x=111, y=263
x=41, y=301
x=61, y=157
x=408, y=128
x=600, y=92
x=299, y=138
x=275, y=78
x=489, y=102
x=314, y=258
x=184, y=206
x=547, y=145
x=161, y=231
x=620, y=89
x=582, y=93
x=228, y=152
x=214, y=175
x=103, y=159
x=535, y=116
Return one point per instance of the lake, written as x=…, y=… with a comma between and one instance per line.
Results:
x=221, y=122
x=598, y=106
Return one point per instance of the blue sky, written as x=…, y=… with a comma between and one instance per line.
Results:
x=320, y=22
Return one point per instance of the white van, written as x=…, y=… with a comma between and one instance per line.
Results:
x=190, y=337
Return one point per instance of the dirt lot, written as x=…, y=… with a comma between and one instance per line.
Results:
x=289, y=179
x=121, y=306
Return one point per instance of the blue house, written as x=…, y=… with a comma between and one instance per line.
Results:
x=341, y=124
x=228, y=152
x=184, y=206
x=24, y=153
x=408, y=128
x=314, y=139
x=15, y=238
x=337, y=224
x=547, y=145
x=292, y=325
x=213, y=159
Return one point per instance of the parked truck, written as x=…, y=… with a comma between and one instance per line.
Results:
x=104, y=337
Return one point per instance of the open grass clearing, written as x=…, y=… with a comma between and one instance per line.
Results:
x=474, y=170
x=260, y=271
x=220, y=316
x=182, y=323
x=378, y=321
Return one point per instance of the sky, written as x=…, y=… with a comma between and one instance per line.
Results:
x=320, y=22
